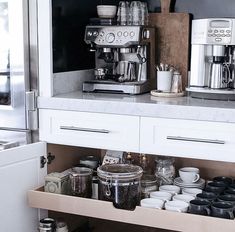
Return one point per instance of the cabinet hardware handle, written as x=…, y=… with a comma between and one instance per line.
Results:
x=73, y=128
x=14, y=129
x=179, y=138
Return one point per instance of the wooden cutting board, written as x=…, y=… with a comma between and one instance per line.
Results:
x=172, y=38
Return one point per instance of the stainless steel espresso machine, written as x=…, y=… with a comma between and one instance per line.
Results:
x=124, y=59
x=213, y=59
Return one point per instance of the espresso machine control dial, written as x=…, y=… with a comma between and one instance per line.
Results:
x=110, y=37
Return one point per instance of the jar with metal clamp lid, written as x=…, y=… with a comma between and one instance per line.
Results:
x=120, y=184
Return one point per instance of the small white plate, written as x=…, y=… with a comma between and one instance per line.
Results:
x=199, y=184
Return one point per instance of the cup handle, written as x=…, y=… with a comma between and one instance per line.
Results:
x=208, y=211
x=230, y=214
x=178, y=210
x=197, y=177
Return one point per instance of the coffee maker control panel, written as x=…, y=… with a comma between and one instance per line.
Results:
x=113, y=36
x=213, y=31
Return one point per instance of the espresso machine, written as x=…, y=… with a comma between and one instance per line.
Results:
x=124, y=59
x=212, y=73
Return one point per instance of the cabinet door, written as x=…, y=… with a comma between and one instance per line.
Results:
x=20, y=171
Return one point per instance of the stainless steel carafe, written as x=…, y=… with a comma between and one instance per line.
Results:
x=220, y=76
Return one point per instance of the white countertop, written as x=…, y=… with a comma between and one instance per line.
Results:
x=142, y=105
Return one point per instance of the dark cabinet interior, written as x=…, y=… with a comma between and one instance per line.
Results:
x=71, y=16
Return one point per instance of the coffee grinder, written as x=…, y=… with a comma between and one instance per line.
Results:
x=213, y=59
x=124, y=59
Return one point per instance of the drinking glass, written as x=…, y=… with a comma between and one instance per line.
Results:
x=144, y=14
x=136, y=13
x=123, y=13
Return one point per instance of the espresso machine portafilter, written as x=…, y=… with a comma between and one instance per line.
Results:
x=124, y=59
x=212, y=69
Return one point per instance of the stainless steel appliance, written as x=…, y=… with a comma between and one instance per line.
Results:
x=124, y=59
x=213, y=59
x=17, y=45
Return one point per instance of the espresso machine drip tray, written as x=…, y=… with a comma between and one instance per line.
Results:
x=212, y=94
x=109, y=86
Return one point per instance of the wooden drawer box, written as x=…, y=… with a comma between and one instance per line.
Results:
x=186, y=138
x=96, y=130
x=140, y=216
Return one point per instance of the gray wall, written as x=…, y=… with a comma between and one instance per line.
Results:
x=200, y=8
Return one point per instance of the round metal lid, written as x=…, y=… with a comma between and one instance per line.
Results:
x=119, y=171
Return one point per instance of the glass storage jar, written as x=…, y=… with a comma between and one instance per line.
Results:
x=81, y=182
x=165, y=170
x=148, y=184
x=120, y=184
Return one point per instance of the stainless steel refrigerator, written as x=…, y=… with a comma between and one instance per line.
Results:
x=18, y=72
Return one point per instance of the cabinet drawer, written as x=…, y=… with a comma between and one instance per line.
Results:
x=95, y=130
x=140, y=216
x=186, y=138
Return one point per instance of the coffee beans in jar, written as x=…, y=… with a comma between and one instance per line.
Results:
x=120, y=184
x=80, y=179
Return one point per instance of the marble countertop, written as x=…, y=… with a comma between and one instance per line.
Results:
x=142, y=105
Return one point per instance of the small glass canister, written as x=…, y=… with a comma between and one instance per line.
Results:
x=81, y=182
x=148, y=184
x=165, y=170
x=120, y=184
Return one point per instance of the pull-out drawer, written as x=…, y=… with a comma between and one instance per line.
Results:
x=186, y=138
x=94, y=130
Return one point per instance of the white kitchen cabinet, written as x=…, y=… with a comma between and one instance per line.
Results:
x=21, y=168
x=187, y=138
x=95, y=130
x=20, y=171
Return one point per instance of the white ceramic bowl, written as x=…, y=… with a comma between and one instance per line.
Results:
x=106, y=11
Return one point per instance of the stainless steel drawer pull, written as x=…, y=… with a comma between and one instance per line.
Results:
x=195, y=140
x=73, y=128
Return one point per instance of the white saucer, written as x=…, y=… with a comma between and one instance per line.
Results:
x=158, y=93
x=199, y=184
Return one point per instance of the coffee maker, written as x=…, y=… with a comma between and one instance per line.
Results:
x=124, y=59
x=213, y=59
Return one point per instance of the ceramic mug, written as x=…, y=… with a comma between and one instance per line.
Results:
x=222, y=210
x=208, y=196
x=183, y=197
x=177, y=206
x=152, y=203
x=165, y=196
x=164, y=79
x=189, y=174
x=191, y=191
x=173, y=189
x=201, y=207
x=216, y=187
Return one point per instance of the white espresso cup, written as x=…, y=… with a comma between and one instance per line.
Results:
x=191, y=191
x=177, y=206
x=183, y=197
x=165, y=196
x=173, y=189
x=189, y=174
x=152, y=203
